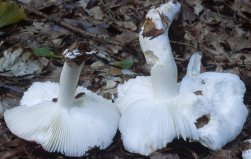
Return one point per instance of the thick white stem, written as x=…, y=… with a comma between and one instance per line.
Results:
x=69, y=77
x=68, y=82
x=156, y=47
x=164, y=76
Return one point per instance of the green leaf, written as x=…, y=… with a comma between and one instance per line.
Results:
x=10, y=13
x=124, y=64
x=45, y=52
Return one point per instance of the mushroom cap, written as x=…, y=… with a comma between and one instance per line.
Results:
x=146, y=124
x=222, y=102
x=91, y=121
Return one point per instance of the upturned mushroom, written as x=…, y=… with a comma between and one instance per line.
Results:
x=156, y=109
x=63, y=117
x=152, y=108
x=222, y=103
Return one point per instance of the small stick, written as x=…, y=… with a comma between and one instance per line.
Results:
x=181, y=43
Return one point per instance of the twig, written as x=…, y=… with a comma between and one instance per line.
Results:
x=181, y=43
x=95, y=37
x=27, y=154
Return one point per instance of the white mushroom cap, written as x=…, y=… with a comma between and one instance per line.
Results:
x=222, y=96
x=69, y=125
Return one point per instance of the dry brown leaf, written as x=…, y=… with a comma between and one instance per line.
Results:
x=222, y=154
x=150, y=29
x=158, y=155
x=127, y=36
x=129, y=25
x=237, y=43
x=187, y=14
x=115, y=71
x=96, y=12
x=197, y=6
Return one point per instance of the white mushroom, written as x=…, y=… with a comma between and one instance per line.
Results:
x=222, y=96
x=62, y=117
x=152, y=109
x=156, y=109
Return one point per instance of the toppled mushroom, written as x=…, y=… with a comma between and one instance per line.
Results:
x=156, y=109
x=152, y=110
x=222, y=101
x=51, y=115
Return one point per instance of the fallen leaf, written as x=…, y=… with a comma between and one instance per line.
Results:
x=237, y=43
x=130, y=25
x=187, y=14
x=96, y=12
x=115, y=71
x=126, y=36
x=97, y=65
x=158, y=155
x=45, y=52
x=19, y=63
x=150, y=29
x=222, y=154
x=197, y=6
x=110, y=84
x=124, y=64
x=10, y=13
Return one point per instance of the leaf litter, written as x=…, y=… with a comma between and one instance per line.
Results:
x=30, y=50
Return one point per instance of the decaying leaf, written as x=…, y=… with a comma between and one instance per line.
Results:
x=10, y=13
x=115, y=71
x=157, y=155
x=150, y=29
x=196, y=4
x=125, y=64
x=129, y=25
x=45, y=52
x=19, y=63
x=226, y=154
x=96, y=12
x=237, y=43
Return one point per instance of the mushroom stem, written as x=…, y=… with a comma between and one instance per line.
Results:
x=156, y=47
x=69, y=78
x=164, y=79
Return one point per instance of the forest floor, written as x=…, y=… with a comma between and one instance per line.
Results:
x=220, y=29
